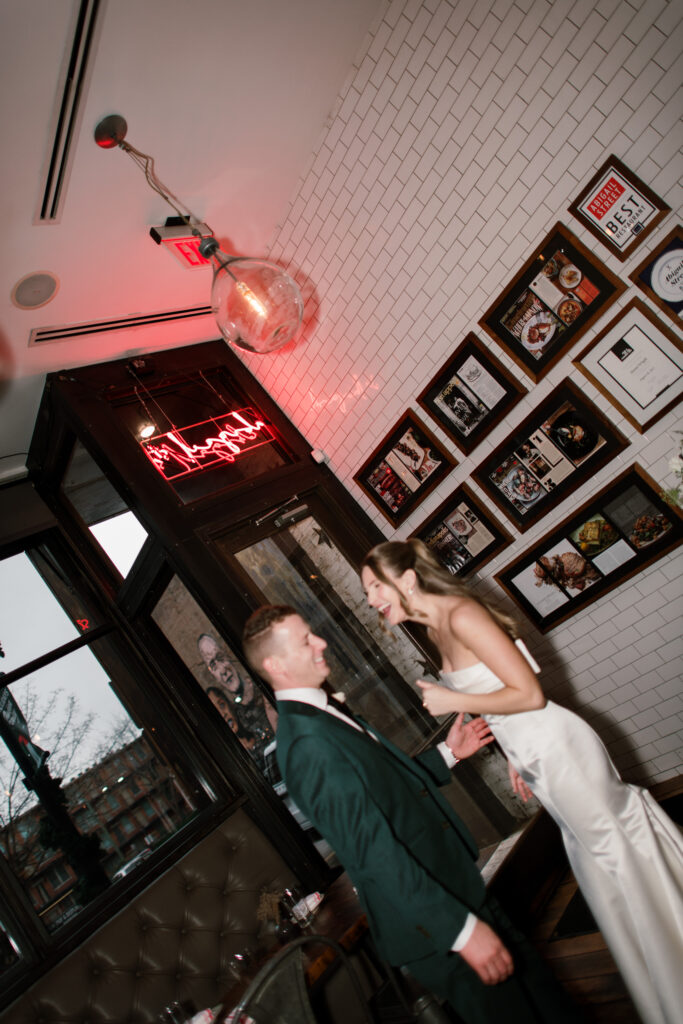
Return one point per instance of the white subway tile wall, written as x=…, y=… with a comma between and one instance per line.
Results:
x=463, y=132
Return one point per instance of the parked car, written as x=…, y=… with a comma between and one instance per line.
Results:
x=130, y=865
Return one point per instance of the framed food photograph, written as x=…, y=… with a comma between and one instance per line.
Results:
x=404, y=468
x=470, y=394
x=559, y=446
x=560, y=291
x=611, y=537
x=462, y=534
x=618, y=208
x=636, y=362
x=660, y=275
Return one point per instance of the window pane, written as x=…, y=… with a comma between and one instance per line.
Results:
x=33, y=621
x=122, y=538
x=9, y=953
x=88, y=490
x=85, y=794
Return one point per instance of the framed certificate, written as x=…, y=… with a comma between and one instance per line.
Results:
x=618, y=208
x=636, y=362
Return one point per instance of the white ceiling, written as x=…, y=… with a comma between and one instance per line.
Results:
x=228, y=97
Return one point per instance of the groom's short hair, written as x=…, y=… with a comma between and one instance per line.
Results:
x=257, y=635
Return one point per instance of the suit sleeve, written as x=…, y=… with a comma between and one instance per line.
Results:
x=394, y=884
x=432, y=761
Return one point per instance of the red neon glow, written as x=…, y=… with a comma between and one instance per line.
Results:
x=83, y=623
x=197, y=447
x=186, y=250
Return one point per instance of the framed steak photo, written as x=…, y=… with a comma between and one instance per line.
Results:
x=559, y=446
x=557, y=295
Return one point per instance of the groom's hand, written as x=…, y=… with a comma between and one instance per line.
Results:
x=486, y=954
x=466, y=738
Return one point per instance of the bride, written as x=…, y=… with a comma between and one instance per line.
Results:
x=626, y=854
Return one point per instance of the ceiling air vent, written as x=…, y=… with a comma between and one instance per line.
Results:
x=74, y=75
x=45, y=335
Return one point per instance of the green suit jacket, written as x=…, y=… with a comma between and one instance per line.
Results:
x=407, y=852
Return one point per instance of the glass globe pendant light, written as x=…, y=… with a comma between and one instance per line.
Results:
x=257, y=306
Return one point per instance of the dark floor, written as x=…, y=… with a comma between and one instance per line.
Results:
x=566, y=935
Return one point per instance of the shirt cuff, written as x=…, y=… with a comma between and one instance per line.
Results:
x=465, y=933
x=447, y=754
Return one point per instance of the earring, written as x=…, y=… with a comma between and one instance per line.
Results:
x=411, y=590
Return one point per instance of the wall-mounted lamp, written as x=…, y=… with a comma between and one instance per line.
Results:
x=257, y=306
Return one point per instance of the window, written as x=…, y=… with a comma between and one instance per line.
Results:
x=71, y=755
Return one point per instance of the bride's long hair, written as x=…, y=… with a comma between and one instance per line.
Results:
x=395, y=557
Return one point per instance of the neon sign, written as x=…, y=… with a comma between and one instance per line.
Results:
x=221, y=439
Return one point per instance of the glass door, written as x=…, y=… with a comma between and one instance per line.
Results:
x=299, y=564
x=297, y=561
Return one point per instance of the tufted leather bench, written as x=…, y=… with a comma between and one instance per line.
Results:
x=174, y=941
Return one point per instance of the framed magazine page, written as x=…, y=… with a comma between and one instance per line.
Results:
x=636, y=362
x=560, y=291
x=613, y=536
x=470, y=394
x=618, y=208
x=462, y=533
x=660, y=275
x=404, y=468
x=553, y=451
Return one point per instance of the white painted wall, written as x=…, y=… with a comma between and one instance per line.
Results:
x=463, y=133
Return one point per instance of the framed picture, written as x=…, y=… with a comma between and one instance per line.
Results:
x=616, y=534
x=636, y=362
x=660, y=275
x=618, y=208
x=559, y=292
x=553, y=451
x=462, y=534
x=470, y=394
x=404, y=468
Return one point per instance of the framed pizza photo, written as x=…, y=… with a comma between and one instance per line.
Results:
x=636, y=362
x=462, y=533
x=618, y=208
x=404, y=468
x=610, y=538
x=551, y=302
x=470, y=394
x=660, y=275
x=559, y=446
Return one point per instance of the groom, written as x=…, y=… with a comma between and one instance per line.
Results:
x=410, y=857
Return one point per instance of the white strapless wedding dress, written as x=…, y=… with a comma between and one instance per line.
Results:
x=626, y=854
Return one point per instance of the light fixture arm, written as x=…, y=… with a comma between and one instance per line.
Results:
x=111, y=132
x=257, y=305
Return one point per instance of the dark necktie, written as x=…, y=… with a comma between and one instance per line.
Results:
x=346, y=713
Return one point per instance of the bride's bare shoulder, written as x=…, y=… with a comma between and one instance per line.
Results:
x=465, y=611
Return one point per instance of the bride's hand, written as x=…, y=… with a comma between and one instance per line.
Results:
x=519, y=786
x=439, y=700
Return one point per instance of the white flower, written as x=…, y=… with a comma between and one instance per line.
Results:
x=676, y=465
